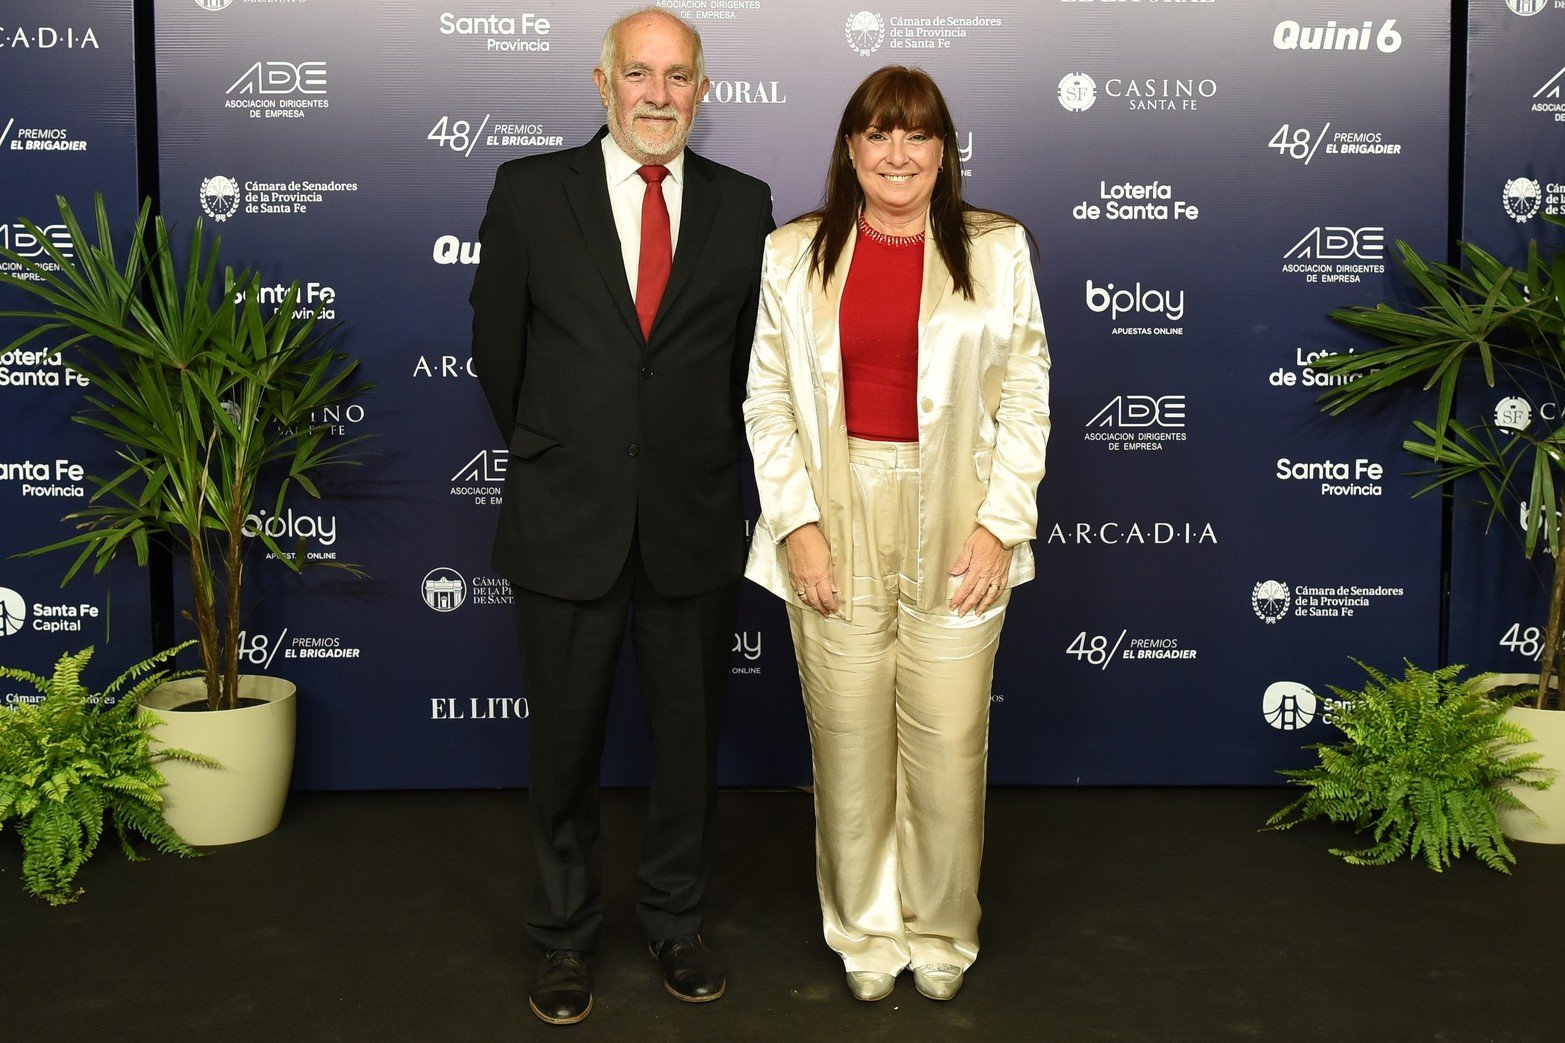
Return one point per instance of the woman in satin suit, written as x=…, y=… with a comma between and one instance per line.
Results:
x=898, y=413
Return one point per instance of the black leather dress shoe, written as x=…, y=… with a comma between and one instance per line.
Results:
x=562, y=988
x=691, y=971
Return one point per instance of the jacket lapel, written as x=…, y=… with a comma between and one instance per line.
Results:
x=825, y=306
x=588, y=193
x=696, y=211
x=937, y=279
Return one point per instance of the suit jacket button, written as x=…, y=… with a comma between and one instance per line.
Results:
x=632, y=449
x=928, y=405
x=647, y=372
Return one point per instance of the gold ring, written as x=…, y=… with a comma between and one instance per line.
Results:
x=800, y=593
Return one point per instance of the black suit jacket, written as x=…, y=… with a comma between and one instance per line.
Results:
x=610, y=434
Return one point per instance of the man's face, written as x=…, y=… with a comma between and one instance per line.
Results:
x=652, y=94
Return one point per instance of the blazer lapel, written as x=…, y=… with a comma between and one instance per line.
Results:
x=825, y=305
x=696, y=211
x=937, y=279
x=588, y=193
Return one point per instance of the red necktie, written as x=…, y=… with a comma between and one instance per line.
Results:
x=657, y=248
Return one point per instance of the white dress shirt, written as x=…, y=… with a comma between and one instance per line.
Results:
x=627, y=190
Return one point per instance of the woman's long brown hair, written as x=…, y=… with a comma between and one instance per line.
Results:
x=898, y=98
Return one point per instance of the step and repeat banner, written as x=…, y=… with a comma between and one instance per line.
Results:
x=67, y=127
x=1514, y=173
x=1206, y=180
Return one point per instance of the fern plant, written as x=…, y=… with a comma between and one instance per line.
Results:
x=71, y=760
x=1425, y=763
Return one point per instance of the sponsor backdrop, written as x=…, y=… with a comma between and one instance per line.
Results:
x=1206, y=180
x=67, y=127
x=1514, y=172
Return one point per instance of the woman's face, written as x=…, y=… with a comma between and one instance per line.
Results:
x=896, y=168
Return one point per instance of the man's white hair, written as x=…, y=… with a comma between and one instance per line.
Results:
x=610, y=53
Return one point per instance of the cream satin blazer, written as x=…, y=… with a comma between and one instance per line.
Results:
x=983, y=409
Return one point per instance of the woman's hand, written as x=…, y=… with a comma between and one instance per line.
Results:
x=985, y=563
x=809, y=569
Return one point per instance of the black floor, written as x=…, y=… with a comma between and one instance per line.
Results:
x=1109, y=915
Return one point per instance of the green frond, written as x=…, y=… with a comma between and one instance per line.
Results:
x=206, y=398
x=76, y=760
x=1479, y=320
x=1425, y=761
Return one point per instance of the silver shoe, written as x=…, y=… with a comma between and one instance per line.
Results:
x=938, y=981
x=870, y=986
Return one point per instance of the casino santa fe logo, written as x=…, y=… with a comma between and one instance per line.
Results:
x=220, y=197
x=1513, y=414
x=1077, y=92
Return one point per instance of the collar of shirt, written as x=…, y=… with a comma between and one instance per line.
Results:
x=626, y=192
x=621, y=168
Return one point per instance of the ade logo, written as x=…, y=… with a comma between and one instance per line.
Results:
x=276, y=77
x=23, y=241
x=1135, y=411
x=1339, y=243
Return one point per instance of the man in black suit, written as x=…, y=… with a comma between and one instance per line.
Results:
x=613, y=310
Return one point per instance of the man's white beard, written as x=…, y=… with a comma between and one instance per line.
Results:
x=658, y=149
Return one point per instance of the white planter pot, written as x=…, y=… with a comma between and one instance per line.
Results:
x=1546, y=823
x=243, y=798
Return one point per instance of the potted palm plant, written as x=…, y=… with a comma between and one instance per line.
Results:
x=1484, y=319
x=209, y=405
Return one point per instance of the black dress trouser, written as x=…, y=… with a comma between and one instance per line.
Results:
x=569, y=653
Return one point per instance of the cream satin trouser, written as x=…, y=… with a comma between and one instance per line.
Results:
x=898, y=709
